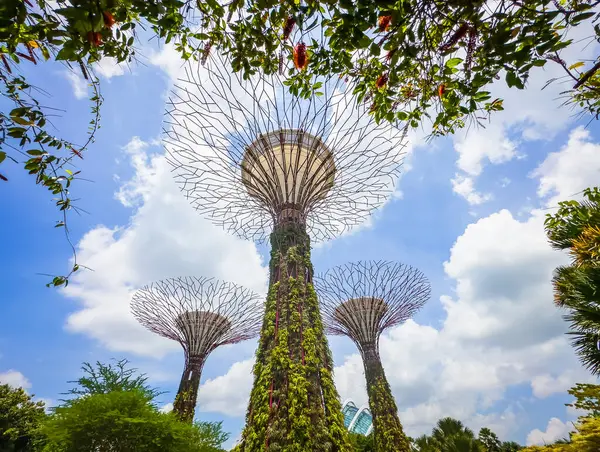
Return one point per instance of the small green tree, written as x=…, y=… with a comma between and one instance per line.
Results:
x=105, y=378
x=361, y=443
x=510, y=446
x=123, y=421
x=489, y=440
x=20, y=417
x=452, y=435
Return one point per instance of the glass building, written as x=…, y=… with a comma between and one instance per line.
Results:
x=357, y=420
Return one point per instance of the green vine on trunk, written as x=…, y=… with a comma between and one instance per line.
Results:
x=184, y=405
x=294, y=406
x=388, y=434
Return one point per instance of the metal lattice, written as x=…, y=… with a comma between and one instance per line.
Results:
x=249, y=155
x=362, y=299
x=199, y=313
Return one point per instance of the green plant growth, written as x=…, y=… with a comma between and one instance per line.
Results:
x=104, y=378
x=187, y=394
x=122, y=421
x=388, y=435
x=575, y=227
x=361, y=443
x=20, y=417
x=450, y=435
x=294, y=406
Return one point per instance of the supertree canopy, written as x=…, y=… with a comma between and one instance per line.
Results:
x=361, y=300
x=259, y=160
x=249, y=155
x=201, y=314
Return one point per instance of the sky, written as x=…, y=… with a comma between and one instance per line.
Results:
x=488, y=348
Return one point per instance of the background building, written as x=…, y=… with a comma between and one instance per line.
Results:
x=357, y=420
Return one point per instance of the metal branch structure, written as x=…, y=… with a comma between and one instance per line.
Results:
x=260, y=161
x=201, y=314
x=249, y=155
x=361, y=300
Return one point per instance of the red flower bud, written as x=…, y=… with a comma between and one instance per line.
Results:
x=381, y=81
x=300, y=56
x=288, y=27
x=94, y=38
x=109, y=20
x=384, y=23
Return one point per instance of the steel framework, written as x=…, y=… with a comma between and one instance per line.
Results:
x=361, y=300
x=250, y=155
x=201, y=314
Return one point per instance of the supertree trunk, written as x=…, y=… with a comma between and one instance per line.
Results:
x=294, y=406
x=388, y=434
x=185, y=400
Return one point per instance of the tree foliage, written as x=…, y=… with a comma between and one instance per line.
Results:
x=121, y=420
x=361, y=443
x=20, y=417
x=576, y=228
x=451, y=435
x=112, y=408
x=104, y=378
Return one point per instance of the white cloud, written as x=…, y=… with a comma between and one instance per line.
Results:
x=229, y=393
x=164, y=238
x=108, y=67
x=545, y=385
x=168, y=59
x=464, y=186
x=555, y=430
x=78, y=83
x=166, y=408
x=476, y=146
x=15, y=379
x=565, y=173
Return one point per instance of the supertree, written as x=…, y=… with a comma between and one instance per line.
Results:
x=201, y=314
x=361, y=300
x=259, y=160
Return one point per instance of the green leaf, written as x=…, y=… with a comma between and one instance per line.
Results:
x=21, y=121
x=453, y=62
x=35, y=152
x=582, y=17
x=576, y=65
x=2, y=156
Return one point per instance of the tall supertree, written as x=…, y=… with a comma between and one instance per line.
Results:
x=361, y=300
x=260, y=161
x=201, y=314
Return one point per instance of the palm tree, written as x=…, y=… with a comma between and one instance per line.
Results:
x=451, y=435
x=425, y=443
x=576, y=228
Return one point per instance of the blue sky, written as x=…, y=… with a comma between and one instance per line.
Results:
x=488, y=348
